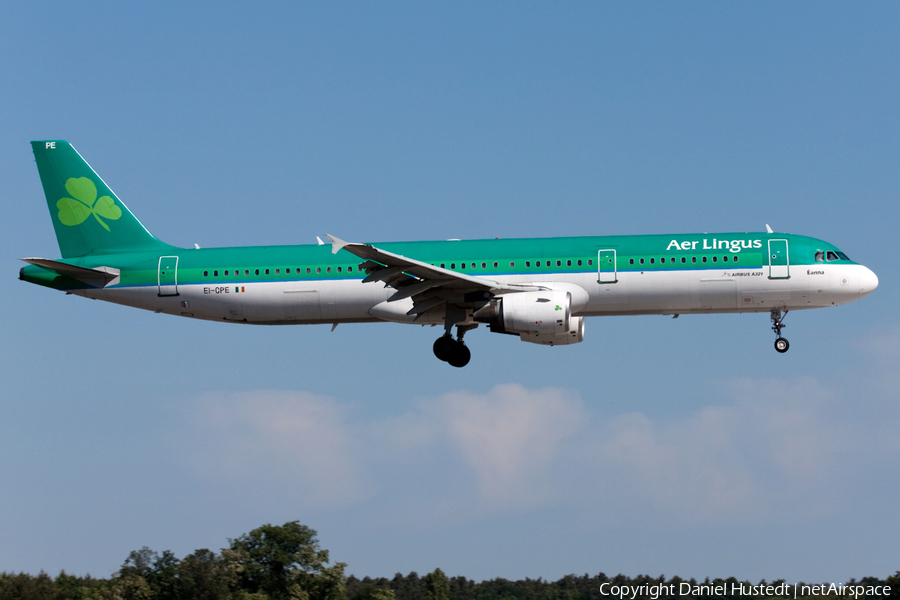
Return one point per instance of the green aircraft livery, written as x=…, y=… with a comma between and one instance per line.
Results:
x=538, y=289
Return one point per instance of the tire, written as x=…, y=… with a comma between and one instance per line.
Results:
x=460, y=356
x=443, y=347
x=782, y=345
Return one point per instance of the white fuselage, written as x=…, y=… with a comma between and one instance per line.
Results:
x=721, y=290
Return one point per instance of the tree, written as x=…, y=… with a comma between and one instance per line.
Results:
x=438, y=586
x=286, y=563
x=204, y=575
x=25, y=587
x=371, y=592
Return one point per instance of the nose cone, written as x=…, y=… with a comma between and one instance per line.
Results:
x=868, y=281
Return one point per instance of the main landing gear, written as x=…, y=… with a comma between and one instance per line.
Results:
x=453, y=352
x=781, y=344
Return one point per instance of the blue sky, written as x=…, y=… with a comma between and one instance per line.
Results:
x=657, y=446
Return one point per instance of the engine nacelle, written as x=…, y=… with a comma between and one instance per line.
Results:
x=574, y=335
x=538, y=317
x=545, y=313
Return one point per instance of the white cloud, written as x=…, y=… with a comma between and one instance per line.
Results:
x=773, y=451
x=296, y=442
x=751, y=459
x=510, y=437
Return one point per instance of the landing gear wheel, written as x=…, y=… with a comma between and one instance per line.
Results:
x=782, y=345
x=460, y=356
x=443, y=347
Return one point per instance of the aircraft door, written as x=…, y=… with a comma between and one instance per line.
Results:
x=302, y=305
x=779, y=263
x=606, y=266
x=167, y=276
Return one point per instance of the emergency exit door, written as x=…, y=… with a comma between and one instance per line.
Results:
x=779, y=263
x=168, y=276
x=606, y=266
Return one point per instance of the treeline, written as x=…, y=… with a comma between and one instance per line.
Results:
x=601, y=587
x=286, y=563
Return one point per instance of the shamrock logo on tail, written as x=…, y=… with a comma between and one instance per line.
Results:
x=73, y=211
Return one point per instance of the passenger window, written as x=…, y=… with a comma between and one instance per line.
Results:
x=579, y=262
x=652, y=261
x=683, y=260
x=318, y=269
x=590, y=261
x=527, y=263
x=630, y=261
x=642, y=261
x=442, y=266
x=715, y=258
x=267, y=271
x=568, y=263
x=339, y=269
x=328, y=270
x=215, y=273
x=495, y=265
x=831, y=256
x=820, y=256
x=704, y=259
x=308, y=270
x=349, y=269
x=484, y=265
x=693, y=259
x=278, y=271
x=462, y=265
x=559, y=263
x=206, y=273
x=473, y=265
x=287, y=271
x=734, y=258
x=512, y=264
x=673, y=260
x=452, y=265
x=226, y=272
x=257, y=271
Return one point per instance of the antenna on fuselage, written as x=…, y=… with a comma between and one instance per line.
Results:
x=769, y=229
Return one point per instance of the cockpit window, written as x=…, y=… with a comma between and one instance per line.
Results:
x=831, y=256
x=843, y=256
x=820, y=256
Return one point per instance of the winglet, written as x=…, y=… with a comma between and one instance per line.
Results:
x=319, y=240
x=769, y=229
x=336, y=243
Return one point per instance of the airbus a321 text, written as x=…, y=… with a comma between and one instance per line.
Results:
x=540, y=290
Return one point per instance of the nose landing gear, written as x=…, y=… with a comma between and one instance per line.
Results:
x=781, y=344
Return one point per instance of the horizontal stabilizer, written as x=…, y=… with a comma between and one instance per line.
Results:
x=99, y=277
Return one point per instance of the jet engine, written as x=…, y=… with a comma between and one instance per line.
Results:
x=543, y=317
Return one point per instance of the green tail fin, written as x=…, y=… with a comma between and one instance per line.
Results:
x=87, y=216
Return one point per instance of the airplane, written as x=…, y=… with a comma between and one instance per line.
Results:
x=540, y=290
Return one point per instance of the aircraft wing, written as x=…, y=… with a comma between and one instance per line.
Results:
x=427, y=284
